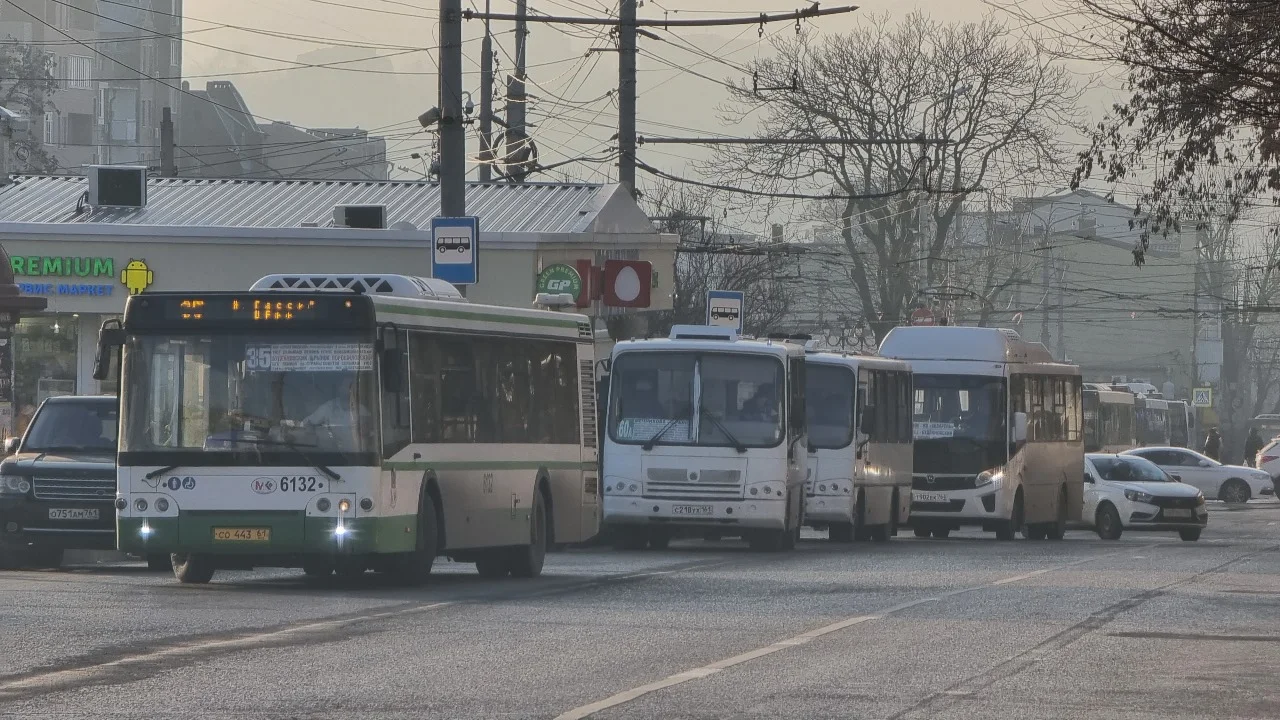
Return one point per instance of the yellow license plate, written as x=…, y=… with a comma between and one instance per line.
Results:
x=242, y=534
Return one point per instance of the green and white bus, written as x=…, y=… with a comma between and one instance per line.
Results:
x=351, y=423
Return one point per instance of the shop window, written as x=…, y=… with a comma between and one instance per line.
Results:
x=44, y=356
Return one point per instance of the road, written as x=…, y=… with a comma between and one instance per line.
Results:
x=969, y=627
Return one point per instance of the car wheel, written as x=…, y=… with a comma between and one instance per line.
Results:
x=1234, y=490
x=1107, y=522
x=1189, y=534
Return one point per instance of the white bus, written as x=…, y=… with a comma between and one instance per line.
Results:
x=706, y=432
x=859, y=484
x=998, y=432
x=346, y=423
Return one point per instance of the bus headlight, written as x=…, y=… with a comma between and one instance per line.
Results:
x=140, y=505
x=340, y=531
x=145, y=531
x=344, y=505
x=162, y=505
x=323, y=504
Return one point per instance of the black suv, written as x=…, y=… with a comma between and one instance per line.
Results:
x=58, y=483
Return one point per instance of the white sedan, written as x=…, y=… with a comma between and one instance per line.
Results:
x=1228, y=483
x=1123, y=492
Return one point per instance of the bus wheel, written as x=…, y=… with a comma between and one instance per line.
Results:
x=941, y=532
x=1033, y=531
x=1058, y=528
x=659, y=539
x=526, y=562
x=493, y=564
x=1009, y=528
x=860, y=532
x=413, y=568
x=921, y=531
x=631, y=537
x=840, y=532
x=349, y=567
x=880, y=533
x=192, y=568
x=159, y=563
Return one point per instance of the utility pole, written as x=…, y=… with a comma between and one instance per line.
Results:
x=517, y=135
x=168, y=161
x=627, y=94
x=1044, y=280
x=453, y=141
x=486, y=103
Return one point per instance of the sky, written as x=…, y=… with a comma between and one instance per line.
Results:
x=386, y=51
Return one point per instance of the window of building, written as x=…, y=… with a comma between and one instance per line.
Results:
x=79, y=72
x=51, y=128
x=79, y=129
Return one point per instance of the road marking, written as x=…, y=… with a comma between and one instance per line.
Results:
x=698, y=673
x=41, y=683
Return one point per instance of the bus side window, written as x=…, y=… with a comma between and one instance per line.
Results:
x=424, y=383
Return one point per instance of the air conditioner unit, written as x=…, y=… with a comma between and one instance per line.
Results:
x=369, y=217
x=117, y=186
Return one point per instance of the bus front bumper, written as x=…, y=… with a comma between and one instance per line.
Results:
x=273, y=533
x=822, y=509
x=636, y=510
x=986, y=504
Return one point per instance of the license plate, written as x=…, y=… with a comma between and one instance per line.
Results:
x=73, y=514
x=691, y=510
x=242, y=534
x=933, y=497
x=1179, y=513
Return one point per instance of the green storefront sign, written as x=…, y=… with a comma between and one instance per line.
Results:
x=559, y=278
x=49, y=266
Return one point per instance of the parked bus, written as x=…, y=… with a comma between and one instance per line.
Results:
x=998, y=437
x=1108, y=419
x=345, y=423
x=1151, y=417
x=706, y=433
x=859, y=484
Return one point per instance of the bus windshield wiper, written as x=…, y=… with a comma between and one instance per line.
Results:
x=292, y=445
x=648, y=444
x=157, y=473
x=728, y=435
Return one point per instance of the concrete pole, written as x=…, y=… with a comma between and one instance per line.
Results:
x=453, y=141
x=627, y=94
x=486, y=102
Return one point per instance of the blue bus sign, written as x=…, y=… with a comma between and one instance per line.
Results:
x=455, y=251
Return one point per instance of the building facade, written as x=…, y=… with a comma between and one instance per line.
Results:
x=224, y=235
x=117, y=65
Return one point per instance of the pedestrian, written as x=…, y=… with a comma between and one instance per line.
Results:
x=1213, y=444
x=1252, y=447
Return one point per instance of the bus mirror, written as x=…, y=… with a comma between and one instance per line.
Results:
x=1088, y=478
x=868, y=424
x=108, y=340
x=1019, y=427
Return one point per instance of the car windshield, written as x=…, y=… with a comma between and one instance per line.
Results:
x=686, y=398
x=959, y=423
x=829, y=399
x=1129, y=469
x=73, y=427
x=248, y=392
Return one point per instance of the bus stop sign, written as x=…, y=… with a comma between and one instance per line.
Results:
x=455, y=252
x=724, y=308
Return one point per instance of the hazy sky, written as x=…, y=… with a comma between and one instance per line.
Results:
x=572, y=116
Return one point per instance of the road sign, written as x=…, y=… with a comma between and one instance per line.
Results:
x=1202, y=397
x=724, y=308
x=922, y=316
x=559, y=278
x=627, y=283
x=455, y=251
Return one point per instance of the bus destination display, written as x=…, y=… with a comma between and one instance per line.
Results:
x=286, y=310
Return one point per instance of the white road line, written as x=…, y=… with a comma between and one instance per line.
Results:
x=698, y=673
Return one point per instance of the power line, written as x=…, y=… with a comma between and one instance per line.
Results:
x=761, y=19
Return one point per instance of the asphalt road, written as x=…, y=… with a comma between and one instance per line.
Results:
x=969, y=627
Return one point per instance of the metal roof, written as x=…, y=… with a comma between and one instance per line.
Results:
x=202, y=202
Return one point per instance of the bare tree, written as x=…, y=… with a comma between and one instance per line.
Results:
x=712, y=256
x=995, y=101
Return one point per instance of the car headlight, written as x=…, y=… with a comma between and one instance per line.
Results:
x=1199, y=499
x=986, y=477
x=14, y=485
x=1138, y=496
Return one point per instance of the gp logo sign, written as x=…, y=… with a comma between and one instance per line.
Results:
x=263, y=485
x=559, y=278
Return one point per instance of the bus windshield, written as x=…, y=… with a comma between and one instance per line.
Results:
x=960, y=424
x=687, y=398
x=250, y=393
x=829, y=398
